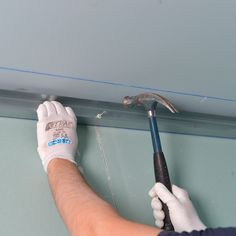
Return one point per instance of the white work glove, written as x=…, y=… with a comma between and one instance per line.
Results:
x=56, y=132
x=181, y=210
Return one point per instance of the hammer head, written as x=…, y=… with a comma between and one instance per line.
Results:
x=149, y=101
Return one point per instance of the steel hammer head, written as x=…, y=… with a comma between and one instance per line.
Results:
x=149, y=101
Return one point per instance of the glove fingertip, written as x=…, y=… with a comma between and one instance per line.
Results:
x=152, y=193
x=41, y=111
x=71, y=112
x=156, y=204
x=159, y=215
x=159, y=223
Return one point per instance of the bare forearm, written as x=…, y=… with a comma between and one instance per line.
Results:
x=76, y=202
x=82, y=210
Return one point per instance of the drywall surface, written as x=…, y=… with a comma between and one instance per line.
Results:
x=118, y=165
x=107, y=49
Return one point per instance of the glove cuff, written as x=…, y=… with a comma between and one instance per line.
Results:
x=199, y=226
x=45, y=162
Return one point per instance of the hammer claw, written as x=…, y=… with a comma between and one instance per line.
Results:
x=147, y=99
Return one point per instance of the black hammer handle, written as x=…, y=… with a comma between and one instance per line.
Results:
x=162, y=175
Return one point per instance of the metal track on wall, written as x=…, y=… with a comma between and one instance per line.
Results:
x=22, y=105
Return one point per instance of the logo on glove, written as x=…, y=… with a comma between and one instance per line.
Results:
x=59, y=125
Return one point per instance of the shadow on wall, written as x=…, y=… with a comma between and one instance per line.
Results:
x=83, y=138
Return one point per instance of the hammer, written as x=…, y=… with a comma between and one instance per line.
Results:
x=150, y=101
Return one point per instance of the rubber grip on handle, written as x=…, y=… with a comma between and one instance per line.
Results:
x=162, y=175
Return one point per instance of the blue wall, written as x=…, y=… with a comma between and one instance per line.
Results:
x=118, y=165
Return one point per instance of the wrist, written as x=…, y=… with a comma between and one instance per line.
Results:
x=58, y=162
x=49, y=159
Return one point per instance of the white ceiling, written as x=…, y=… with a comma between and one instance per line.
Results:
x=106, y=49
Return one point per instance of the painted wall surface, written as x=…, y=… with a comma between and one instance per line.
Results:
x=118, y=165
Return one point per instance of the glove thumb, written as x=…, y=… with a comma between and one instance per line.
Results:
x=162, y=193
x=180, y=193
